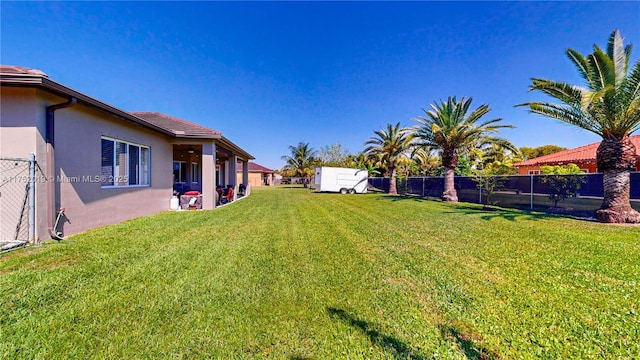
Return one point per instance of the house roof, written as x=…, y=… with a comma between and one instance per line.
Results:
x=186, y=129
x=582, y=154
x=19, y=76
x=13, y=69
x=253, y=167
x=179, y=127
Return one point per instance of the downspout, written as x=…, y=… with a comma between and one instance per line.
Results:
x=32, y=197
x=51, y=161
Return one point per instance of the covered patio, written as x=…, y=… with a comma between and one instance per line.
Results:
x=204, y=161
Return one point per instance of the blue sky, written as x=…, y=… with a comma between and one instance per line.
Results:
x=272, y=74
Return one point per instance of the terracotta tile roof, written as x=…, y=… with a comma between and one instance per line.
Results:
x=583, y=154
x=13, y=69
x=178, y=127
x=253, y=167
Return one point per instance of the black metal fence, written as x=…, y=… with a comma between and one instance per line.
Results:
x=527, y=192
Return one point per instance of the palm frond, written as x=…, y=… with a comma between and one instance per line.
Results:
x=617, y=52
x=602, y=69
x=494, y=127
x=610, y=101
x=567, y=114
x=631, y=86
x=580, y=63
x=562, y=91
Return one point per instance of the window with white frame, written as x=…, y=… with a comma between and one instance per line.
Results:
x=195, y=173
x=124, y=164
x=534, y=172
x=179, y=172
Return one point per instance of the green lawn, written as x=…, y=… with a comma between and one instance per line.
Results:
x=292, y=274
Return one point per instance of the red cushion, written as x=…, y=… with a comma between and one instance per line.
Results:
x=192, y=193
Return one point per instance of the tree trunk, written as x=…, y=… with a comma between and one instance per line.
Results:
x=392, y=180
x=449, y=161
x=449, y=193
x=616, y=157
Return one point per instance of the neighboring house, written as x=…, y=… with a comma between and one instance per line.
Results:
x=100, y=163
x=583, y=156
x=258, y=175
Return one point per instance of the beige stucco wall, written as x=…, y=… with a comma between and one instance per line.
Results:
x=22, y=122
x=207, y=163
x=22, y=132
x=78, y=156
x=255, y=179
x=78, y=132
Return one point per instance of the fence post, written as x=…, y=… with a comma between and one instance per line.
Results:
x=531, y=192
x=32, y=197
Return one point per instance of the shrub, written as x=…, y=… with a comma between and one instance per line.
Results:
x=563, y=181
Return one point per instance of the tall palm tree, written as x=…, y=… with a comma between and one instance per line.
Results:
x=609, y=106
x=389, y=145
x=450, y=128
x=301, y=160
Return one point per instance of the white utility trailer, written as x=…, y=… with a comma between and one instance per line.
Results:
x=342, y=180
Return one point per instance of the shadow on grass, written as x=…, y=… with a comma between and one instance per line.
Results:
x=402, y=198
x=495, y=212
x=469, y=347
x=492, y=212
x=398, y=348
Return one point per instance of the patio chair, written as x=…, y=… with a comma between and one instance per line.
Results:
x=227, y=195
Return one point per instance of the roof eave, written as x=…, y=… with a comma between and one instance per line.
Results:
x=235, y=148
x=36, y=80
x=33, y=80
x=197, y=136
x=554, y=162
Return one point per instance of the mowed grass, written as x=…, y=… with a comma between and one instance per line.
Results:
x=292, y=274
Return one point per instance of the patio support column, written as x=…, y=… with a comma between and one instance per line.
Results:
x=222, y=180
x=245, y=173
x=225, y=173
x=208, y=175
x=233, y=174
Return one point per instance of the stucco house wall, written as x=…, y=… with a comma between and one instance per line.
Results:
x=255, y=179
x=22, y=132
x=588, y=167
x=258, y=175
x=77, y=160
x=22, y=117
x=79, y=132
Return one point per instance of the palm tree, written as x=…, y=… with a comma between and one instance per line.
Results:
x=424, y=160
x=449, y=128
x=389, y=145
x=497, y=155
x=301, y=161
x=363, y=161
x=609, y=106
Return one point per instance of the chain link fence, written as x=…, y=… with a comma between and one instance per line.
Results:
x=544, y=193
x=17, y=179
